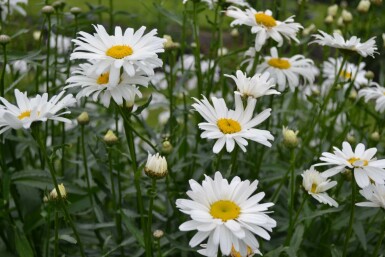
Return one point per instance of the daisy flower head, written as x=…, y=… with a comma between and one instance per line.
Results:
x=232, y=126
x=264, y=25
x=376, y=93
x=375, y=194
x=316, y=185
x=226, y=214
x=288, y=71
x=361, y=161
x=254, y=87
x=99, y=85
x=14, y=6
x=132, y=51
x=353, y=44
x=29, y=110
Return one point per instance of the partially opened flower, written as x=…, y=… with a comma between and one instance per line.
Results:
x=226, y=215
x=375, y=194
x=100, y=86
x=292, y=71
x=353, y=44
x=29, y=110
x=232, y=127
x=316, y=185
x=132, y=51
x=364, y=166
x=376, y=93
x=256, y=86
x=264, y=25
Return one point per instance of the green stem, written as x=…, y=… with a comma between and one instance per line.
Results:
x=3, y=70
x=234, y=164
x=197, y=53
x=85, y=165
x=111, y=12
x=350, y=228
x=290, y=232
x=48, y=52
x=378, y=246
x=292, y=190
x=56, y=249
x=149, y=222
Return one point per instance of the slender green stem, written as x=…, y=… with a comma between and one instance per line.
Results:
x=3, y=70
x=150, y=208
x=379, y=242
x=292, y=190
x=85, y=165
x=234, y=164
x=48, y=52
x=351, y=219
x=290, y=232
x=111, y=12
x=56, y=243
x=197, y=53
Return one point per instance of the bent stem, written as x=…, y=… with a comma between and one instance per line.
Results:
x=349, y=231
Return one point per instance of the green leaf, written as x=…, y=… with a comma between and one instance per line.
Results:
x=277, y=252
x=130, y=225
x=23, y=247
x=144, y=106
x=68, y=239
x=296, y=241
x=168, y=14
x=360, y=232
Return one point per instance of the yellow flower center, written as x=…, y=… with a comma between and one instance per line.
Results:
x=234, y=252
x=103, y=78
x=279, y=63
x=313, y=188
x=24, y=115
x=265, y=20
x=354, y=159
x=345, y=74
x=225, y=210
x=119, y=51
x=228, y=126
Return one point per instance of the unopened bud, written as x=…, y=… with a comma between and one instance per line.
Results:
x=110, y=138
x=329, y=19
x=58, y=5
x=234, y=32
x=375, y=136
x=75, y=10
x=369, y=75
x=156, y=166
x=332, y=10
x=350, y=138
x=193, y=45
x=53, y=195
x=222, y=51
x=170, y=44
x=340, y=22
x=166, y=147
x=353, y=94
x=347, y=16
x=307, y=31
x=48, y=9
x=4, y=39
x=290, y=139
x=83, y=118
x=158, y=234
x=363, y=6
x=36, y=34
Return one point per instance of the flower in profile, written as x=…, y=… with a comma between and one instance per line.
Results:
x=375, y=194
x=156, y=166
x=14, y=6
x=256, y=86
x=353, y=44
x=264, y=25
x=289, y=71
x=132, y=51
x=377, y=93
x=99, y=85
x=361, y=161
x=29, y=110
x=232, y=126
x=316, y=185
x=226, y=214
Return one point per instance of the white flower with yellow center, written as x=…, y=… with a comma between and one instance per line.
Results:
x=365, y=167
x=232, y=126
x=375, y=194
x=226, y=214
x=29, y=110
x=14, y=5
x=317, y=185
x=256, y=86
x=264, y=25
x=376, y=93
x=132, y=51
x=352, y=45
x=350, y=73
x=289, y=71
x=99, y=85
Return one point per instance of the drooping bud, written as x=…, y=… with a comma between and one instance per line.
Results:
x=83, y=118
x=110, y=138
x=290, y=139
x=156, y=166
x=307, y=31
x=350, y=138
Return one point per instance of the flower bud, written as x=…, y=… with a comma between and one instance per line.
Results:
x=340, y=22
x=170, y=44
x=83, y=118
x=193, y=45
x=110, y=138
x=309, y=30
x=48, y=9
x=375, y=136
x=369, y=75
x=4, y=39
x=222, y=51
x=353, y=94
x=290, y=139
x=350, y=138
x=347, y=16
x=58, y=4
x=53, y=195
x=332, y=10
x=75, y=10
x=158, y=234
x=36, y=34
x=166, y=147
x=363, y=6
x=329, y=19
x=156, y=166
x=234, y=32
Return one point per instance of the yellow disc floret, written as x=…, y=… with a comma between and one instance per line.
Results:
x=313, y=188
x=225, y=210
x=103, y=78
x=228, y=126
x=265, y=20
x=119, y=51
x=24, y=115
x=279, y=63
x=346, y=75
x=353, y=161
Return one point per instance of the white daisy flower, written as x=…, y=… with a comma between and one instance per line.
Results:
x=132, y=51
x=14, y=6
x=264, y=25
x=211, y=3
x=288, y=71
x=348, y=73
x=225, y=213
x=29, y=110
x=232, y=126
x=353, y=44
x=95, y=85
x=376, y=93
x=316, y=185
x=256, y=86
x=364, y=166
x=375, y=194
